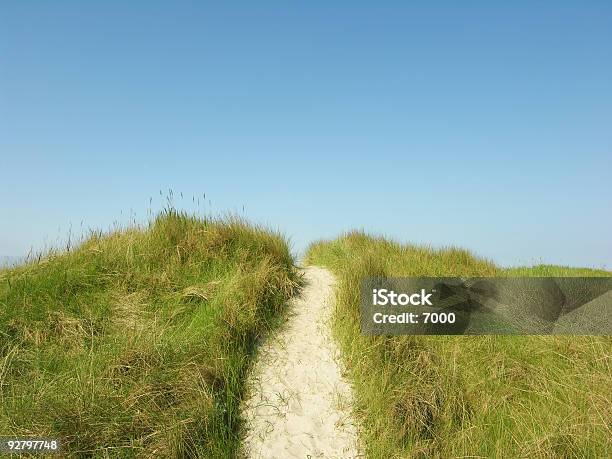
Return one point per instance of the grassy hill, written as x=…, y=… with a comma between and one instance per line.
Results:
x=136, y=342
x=458, y=396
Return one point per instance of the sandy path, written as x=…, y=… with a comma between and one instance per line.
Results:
x=299, y=404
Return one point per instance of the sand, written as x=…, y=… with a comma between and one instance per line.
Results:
x=298, y=402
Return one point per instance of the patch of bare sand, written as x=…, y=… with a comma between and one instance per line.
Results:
x=299, y=403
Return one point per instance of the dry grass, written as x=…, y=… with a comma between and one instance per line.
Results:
x=466, y=396
x=136, y=343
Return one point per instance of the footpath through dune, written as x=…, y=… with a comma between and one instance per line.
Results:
x=299, y=404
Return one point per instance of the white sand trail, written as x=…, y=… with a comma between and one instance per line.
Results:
x=299, y=403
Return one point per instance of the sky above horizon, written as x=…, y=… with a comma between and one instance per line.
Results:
x=477, y=124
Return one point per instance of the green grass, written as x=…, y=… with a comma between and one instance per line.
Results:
x=136, y=343
x=466, y=396
x=555, y=271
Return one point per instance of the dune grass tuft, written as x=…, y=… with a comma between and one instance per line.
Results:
x=136, y=343
x=465, y=396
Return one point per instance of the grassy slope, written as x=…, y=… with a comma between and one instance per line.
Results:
x=477, y=396
x=136, y=342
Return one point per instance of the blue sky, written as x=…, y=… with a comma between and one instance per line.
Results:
x=478, y=124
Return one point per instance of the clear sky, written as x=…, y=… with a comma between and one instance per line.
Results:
x=481, y=124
